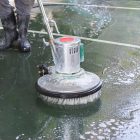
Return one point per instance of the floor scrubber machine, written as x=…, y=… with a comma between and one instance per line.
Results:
x=66, y=83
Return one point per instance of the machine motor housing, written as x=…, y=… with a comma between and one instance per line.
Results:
x=68, y=55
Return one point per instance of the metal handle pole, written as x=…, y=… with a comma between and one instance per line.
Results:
x=46, y=22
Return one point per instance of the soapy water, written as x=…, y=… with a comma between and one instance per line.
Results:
x=114, y=129
x=92, y=19
x=101, y=17
x=125, y=71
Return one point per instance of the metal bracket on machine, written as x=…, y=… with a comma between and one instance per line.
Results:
x=52, y=25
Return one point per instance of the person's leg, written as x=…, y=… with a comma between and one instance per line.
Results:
x=24, y=6
x=23, y=17
x=5, y=8
x=8, y=21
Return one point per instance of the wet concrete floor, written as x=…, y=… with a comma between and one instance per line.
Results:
x=23, y=116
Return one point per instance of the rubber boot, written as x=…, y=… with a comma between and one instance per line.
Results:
x=10, y=33
x=23, y=43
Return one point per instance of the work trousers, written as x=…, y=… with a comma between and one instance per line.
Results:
x=23, y=7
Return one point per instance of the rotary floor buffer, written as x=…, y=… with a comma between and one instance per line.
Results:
x=66, y=83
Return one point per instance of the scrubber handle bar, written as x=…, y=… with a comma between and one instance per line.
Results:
x=46, y=22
